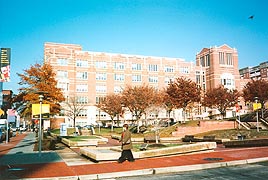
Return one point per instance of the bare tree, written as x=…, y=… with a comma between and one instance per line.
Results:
x=73, y=109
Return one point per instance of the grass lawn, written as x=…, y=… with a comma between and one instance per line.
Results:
x=136, y=147
x=81, y=138
x=232, y=133
x=167, y=132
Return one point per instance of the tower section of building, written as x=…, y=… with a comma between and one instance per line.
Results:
x=221, y=66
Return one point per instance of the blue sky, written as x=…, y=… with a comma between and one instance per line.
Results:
x=168, y=28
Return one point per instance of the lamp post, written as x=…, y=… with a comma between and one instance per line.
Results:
x=40, y=125
x=238, y=109
x=257, y=114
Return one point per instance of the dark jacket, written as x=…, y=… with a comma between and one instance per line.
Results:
x=126, y=140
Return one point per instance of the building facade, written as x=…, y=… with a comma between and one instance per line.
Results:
x=90, y=76
x=221, y=66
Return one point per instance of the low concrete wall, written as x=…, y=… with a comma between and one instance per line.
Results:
x=86, y=142
x=204, y=126
x=114, y=153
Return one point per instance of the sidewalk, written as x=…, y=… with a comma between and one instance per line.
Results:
x=19, y=161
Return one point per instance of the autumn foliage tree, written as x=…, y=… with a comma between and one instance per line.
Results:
x=256, y=88
x=137, y=99
x=112, y=105
x=221, y=98
x=182, y=92
x=39, y=78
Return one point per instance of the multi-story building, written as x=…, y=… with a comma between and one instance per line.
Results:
x=220, y=65
x=256, y=72
x=90, y=76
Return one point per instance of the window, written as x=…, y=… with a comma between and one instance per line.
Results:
x=81, y=63
x=118, y=89
x=198, y=77
x=169, y=69
x=227, y=80
x=62, y=62
x=101, y=76
x=119, y=66
x=99, y=99
x=82, y=113
x=153, y=79
x=136, y=78
x=101, y=64
x=221, y=58
x=168, y=79
x=62, y=74
x=152, y=67
x=101, y=89
x=82, y=88
x=81, y=100
x=63, y=86
x=119, y=77
x=81, y=75
x=136, y=67
x=202, y=61
x=184, y=70
x=207, y=60
x=229, y=59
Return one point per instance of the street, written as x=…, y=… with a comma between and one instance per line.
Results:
x=243, y=172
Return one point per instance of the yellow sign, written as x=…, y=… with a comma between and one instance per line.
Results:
x=256, y=106
x=1, y=112
x=36, y=110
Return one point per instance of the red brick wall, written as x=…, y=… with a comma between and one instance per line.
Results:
x=204, y=126
x=55, y=122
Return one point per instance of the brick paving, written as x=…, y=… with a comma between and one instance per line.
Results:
x=51, y=165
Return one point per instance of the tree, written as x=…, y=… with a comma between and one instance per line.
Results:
x=39, y=78
x=256, y=89
x=112, y=105
x=221, y=98
x=182, y=92
x=73, y=109
x=137, y=99
x=168, y=104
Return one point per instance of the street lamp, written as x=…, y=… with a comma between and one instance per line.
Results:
x=257, y=115
x=238, y=109
x=40, y=125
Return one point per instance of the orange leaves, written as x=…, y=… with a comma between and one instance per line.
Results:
x=182, y=92
x=41, y=78
x=256, y=88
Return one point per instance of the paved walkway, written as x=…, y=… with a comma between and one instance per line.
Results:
x=19, y=161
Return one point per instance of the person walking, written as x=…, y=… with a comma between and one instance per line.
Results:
x=126, y=146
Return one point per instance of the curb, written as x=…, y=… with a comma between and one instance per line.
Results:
x=152, y=171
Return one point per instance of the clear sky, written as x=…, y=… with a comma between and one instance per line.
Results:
x=167, y=28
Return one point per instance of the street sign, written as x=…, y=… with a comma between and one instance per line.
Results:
x=256, y=106
x=36, y=111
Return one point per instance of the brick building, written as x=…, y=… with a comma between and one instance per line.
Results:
x=90, y=76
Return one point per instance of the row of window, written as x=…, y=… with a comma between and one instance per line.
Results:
x=224, y=59
x=103, y=76
x=121, y=66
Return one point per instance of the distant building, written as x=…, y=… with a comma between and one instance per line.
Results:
x=90, y=76
x=256, y=72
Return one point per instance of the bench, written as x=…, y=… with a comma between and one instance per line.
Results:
x=209, y=138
